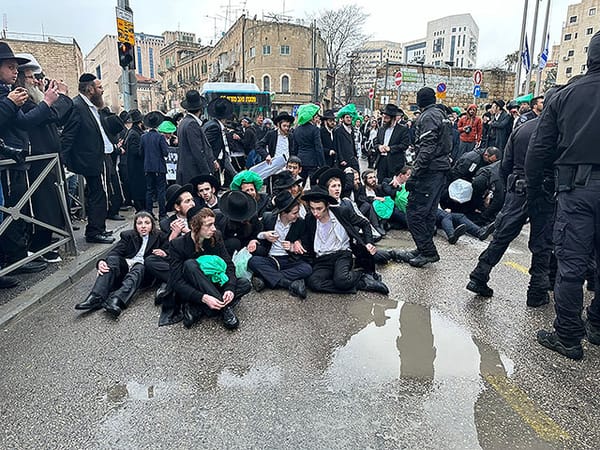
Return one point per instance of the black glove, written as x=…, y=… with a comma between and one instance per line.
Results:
x=8, y=152
x=539, y=204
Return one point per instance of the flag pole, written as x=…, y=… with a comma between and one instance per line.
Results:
x=535, y=17
x=521, y=47
x=545, y=45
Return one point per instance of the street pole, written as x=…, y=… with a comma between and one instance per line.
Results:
x=519, y=63
x=128, y=79
x=535, y=17
x=387, y=66
x=538, y=77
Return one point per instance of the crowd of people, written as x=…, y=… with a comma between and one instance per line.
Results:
x=299, y=203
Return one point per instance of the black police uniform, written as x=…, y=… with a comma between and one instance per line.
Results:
x=510, y=221
x=567, y=138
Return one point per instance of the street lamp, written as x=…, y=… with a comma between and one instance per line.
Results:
x=450, y=64
x=421, y=62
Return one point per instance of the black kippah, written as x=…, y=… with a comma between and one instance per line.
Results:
x=86, y=78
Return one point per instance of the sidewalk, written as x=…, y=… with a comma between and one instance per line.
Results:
x=34, y=288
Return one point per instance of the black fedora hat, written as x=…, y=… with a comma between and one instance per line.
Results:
x=283, y=116
x=284, y=200
x=285, y=180
x=205, y=178
x=328, y=114
x=173, y=193
x=237, y=206
x=7, y=53
x=314, y=178
x=392, y=110
x=135, y=116
x=220, y=108
x=332, y=173
x=112, y=125
x=193, y=101
x=317, y=194
x=153, y=119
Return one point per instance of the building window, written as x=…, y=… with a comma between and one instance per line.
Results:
x=285, y=84
x=571, y=53
x=592, y=12
x=252, y=52
x=568, y=71
x=266, y=83
x=589, y=31
x=568, y=37
x=285, y=50
x=151, y=61
x=454, y=29
x=585, y=49
x=252, y=80
x=98, y=72
x=266, y=49
x=583, y=68
x=572, y=19
x=139, y=58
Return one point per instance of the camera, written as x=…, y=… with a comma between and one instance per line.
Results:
x=468, y=129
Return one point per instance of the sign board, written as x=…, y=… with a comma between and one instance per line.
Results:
x=385, y=99
x=440, y=95
x=441, y=88
x=398, y=78
x=172, y=164
x=125, y=26
x=371, y=93
x=295, y=110
x=477, y=91
x=478, y=77
x=410, y=77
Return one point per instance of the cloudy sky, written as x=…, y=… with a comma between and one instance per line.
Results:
x=88, y=21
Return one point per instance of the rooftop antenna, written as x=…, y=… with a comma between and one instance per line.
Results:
x=4, y=25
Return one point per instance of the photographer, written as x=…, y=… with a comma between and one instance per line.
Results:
x=470, y=129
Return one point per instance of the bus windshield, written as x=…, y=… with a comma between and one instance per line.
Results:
x=248, y=100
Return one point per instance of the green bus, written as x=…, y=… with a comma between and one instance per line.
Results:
x=247, y=98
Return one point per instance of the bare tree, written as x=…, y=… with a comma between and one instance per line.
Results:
x=342, y=31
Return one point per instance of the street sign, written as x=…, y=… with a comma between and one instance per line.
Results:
x=295, y=110
x=441, y=88
x=477, y=91
x=478, y=77
x=371, y=93
x=125, y=32
x=385, y=99
x=398, y=78
x=440, y=95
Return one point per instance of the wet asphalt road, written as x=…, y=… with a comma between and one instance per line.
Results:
x=429, y=366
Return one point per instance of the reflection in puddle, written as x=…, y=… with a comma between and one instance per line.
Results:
x=134, y=391
x=255, y=378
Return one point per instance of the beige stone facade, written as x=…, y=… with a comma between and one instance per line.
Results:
x=60, y=58
x=582, y=22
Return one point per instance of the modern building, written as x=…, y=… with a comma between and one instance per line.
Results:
x=452, y=39
x=582, y=21
x=367, y=59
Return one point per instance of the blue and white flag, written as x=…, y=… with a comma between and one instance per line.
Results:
x=544, y=55
x=525, y=58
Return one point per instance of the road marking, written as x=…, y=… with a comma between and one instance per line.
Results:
x=517, y=266
x=538, y=420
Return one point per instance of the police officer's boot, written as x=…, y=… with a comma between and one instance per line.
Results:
x=479, y=278
x=536, y=298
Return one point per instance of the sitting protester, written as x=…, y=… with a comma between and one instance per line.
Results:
x=238, y=221
x=180, y=200
x=251, y=183
x=457, y=224
x=205, y=188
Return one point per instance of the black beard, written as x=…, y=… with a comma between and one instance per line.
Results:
x=97, y=101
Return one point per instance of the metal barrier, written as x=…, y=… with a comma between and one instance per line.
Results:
x=14, y=212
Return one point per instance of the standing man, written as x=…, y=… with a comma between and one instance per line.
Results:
x=84, y=146
x=391, y=143
x=277, y=142
x=432, y=162
x=195, y=156
x=155, y=151
x=307, y=140
x=500, y=126
x=221, y=110
x=470, y=128
x=327, y=126
x=566, y=140
x=343, y=139
x=537, y=105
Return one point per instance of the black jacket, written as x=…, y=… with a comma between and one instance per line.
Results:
x=194, y=154
x=307, y=145
x=249, y=139
x=398, y=144
x=468, y=164
x=155, y=150
x=131, y=242
x=268, y=144
x=500, y=129
x=214, y=135
x=513, y=160
x=135, y=163
x=433, y=142
x=295, y=233
x=343, y=144
x=327, y=144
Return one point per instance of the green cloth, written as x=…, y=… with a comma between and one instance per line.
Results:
x=524, y=98
x=456, y=109
x=350, y=108
x=213, y=267
x=167, y=127
x=307, y=112
x=246, y=176
x=401, y=199
x=385, y=208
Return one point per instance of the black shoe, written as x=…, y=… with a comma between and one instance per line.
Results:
x=481, y=289
x=458, y=232
x=114, y=306
x=51, y=257
x=404, y=255
x=161, y=293
x=421, y=260
x=551, y=340
x=592, y=332
x=125, y=208
x=31, y=267
x=370, y=284
x=118, y=217
x=258, y=283
x=191, y=314
x=100, y=239
x=92, y=302
x=169, y=316
x=230, y=321
x=484, y=232
x=298, y=289
x=107, y=233
x=536, y=299
x=7, y=282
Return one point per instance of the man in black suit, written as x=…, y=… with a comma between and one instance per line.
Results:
x=221, y=110
x=343, y=142
x=391, y=142
x=84, y=144
x=278, y=141
x=327, y=126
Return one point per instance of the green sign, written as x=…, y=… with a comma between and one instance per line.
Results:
x=410, y=77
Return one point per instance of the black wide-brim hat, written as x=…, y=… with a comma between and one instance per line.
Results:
x=283, y=116
x=328, y=114
x=7, y=53
x=199, y=179
x=173, y=193
x=220, y=108
x=283, y=201
x=332, y=173
x=237, y=206
x=318, y=194
x=193, y=101
x=392, y=110
x=153, y=119
x=135, y=116
x=285, y=180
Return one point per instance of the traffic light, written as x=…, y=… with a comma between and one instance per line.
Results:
x=126, y=55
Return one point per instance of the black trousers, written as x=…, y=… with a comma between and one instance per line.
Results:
x=120, y=280
x=14, y=241
x=576, y=237
x=275, y=268
x=113, y=185
x=509, y=223
x=422, y=205
x=95, y=205
x=333, y=274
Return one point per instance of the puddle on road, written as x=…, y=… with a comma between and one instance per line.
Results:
x=252, y=379
x=133, y=390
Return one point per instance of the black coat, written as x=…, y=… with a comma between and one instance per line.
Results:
x=249, y=139
x=268, y=144
x=155, y=150
x=195, y=156
x=307, y=145
x=500, y=129
x=396, y=157
x=131, y=242
x=135, y=163
x=214, y=135
x=327, y=144
x=433, y=142
x=295, y=233
x=343, y=144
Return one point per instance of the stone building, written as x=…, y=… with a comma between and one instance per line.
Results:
x=60, y=57
x=582, y=22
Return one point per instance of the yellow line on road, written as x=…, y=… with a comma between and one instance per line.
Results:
x=517, y=266
x=544, y=426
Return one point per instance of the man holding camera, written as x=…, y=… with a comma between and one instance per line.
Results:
x=470, y=128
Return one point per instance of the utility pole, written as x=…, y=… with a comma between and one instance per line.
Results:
x=387, y=66
x=538, y=77
x=535, y=17
x=519, y=63
x=126, y=41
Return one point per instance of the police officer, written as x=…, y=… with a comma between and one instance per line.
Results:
x=511, y=219
x=432, y=163
x=567, y=138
